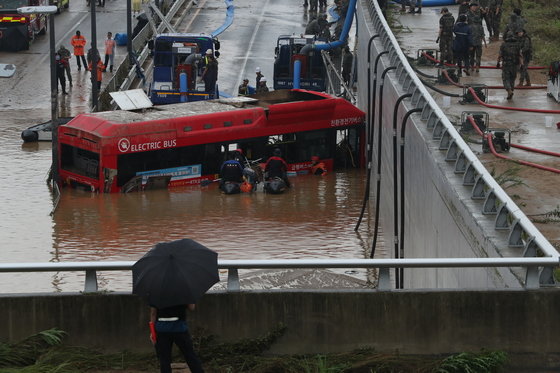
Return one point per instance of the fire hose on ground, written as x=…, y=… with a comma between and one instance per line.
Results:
x=489, y=139
x=431, y=58
x=444, y=72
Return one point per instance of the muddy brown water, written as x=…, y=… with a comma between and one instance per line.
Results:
x=314, y=219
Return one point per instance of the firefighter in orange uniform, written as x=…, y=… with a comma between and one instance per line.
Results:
x=100, y=69
x=79, y=42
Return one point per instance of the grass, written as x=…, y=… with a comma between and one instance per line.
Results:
x=543, y=26
x=46, y=353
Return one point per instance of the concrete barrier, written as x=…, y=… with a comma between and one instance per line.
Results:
x=522, y=323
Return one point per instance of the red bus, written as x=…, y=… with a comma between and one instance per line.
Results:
x=184, y=144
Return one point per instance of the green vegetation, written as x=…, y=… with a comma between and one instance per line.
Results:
x=45, y=353
x=543, y=25
x=509, y=178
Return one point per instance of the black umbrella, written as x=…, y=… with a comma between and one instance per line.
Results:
x=174, y=273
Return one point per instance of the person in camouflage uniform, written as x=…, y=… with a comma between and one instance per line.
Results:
x=485, y=9
x=474, y=20
x=526, y=47
x=463, y=7
x=445, y=36
x=516, y=22
x=495, y=8
x=510, y=58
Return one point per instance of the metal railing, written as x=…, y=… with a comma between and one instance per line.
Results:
x=534, y=278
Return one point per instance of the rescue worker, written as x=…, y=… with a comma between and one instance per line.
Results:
x=316, y=26
x=495, y=7
x=259, y=76
x=262, y=86
x=243, y=89
x=109, y=51
x=210, y=73
x=463, y=7
x=318, y=167
x=485, y=9
x=516, y=22
x=91, y=53
x=445, y=36
x=527, y=52
x=100, y=69
x=313, y=5
x=474, y=20
x=462, y=44
x=276, y=166
x=66, y=55
x=510, y=58
x=347, y=61
x=79, y=43
x=231, y=170
x=60, y=71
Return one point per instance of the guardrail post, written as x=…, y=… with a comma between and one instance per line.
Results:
x=91, y=281
x=233, y=280
x=384, y=281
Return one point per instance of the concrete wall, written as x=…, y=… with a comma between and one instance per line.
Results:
x=411, y=322
x=441, y=219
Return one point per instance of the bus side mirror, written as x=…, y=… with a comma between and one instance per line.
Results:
x=276, y=50
x=216, y=44
x=217, y=54
x=151, y=44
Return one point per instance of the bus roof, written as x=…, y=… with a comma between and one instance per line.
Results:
x=273, y=107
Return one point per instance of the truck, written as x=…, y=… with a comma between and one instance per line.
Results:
x=313, y=75
x=17, y=31
x=176, y=55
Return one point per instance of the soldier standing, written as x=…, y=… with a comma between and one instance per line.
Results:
x=527, y=52
x=445, y=36
x=495, y=7
x=463, y=7
x=510, y=57
x=474, y=20
x=485, y=9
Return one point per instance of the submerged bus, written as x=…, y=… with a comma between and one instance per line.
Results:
x=185, y=144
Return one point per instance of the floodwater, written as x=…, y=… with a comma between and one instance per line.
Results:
x=314, y=219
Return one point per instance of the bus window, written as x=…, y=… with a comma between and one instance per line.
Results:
x=130, y=164
x=80, y=161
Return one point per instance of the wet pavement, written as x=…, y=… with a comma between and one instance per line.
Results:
x=537, y=192
x=315, y=219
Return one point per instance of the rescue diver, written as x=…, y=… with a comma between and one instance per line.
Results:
x=231, y=170
x=276, y=166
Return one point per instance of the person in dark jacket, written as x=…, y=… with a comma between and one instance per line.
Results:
x=60, y=71
x=276, y=166
x=462, y=44
x=231, y=170
x=210, y=73
x=170, y=327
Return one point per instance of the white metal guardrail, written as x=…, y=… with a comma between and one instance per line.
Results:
x=533, y=277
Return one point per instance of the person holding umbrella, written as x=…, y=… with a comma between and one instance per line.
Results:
x=172, y=276
x=171, y=327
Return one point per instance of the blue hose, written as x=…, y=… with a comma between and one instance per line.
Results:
x=297, y=73
x=229, y=18
x=183, y=86
x=345, y=29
